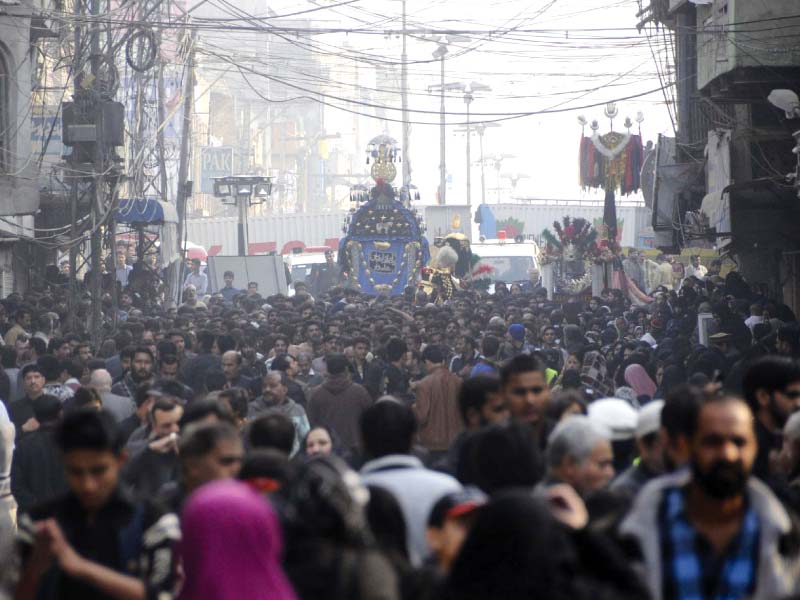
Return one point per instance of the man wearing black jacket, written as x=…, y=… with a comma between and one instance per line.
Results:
x=94, y=542
x=37, y=471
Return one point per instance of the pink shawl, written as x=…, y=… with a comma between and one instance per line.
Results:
x=231, y=546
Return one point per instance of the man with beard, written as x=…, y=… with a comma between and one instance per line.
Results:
x=771, y=387
x=714, y=531
x=141, y=372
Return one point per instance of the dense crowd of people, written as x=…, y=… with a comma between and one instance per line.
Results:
x=350, y=447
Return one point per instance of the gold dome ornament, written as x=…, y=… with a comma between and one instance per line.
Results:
x=383, y=170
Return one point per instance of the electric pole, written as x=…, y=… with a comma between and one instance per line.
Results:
x=98, y=188
x=404, y=97
x=182, y=197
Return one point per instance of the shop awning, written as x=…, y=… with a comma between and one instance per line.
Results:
x=141, y=211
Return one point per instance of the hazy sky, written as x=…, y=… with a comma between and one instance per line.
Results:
x=542, y=55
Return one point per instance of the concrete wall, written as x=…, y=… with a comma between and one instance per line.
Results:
x=723, y=46
x=19, y=192
x=279, y=232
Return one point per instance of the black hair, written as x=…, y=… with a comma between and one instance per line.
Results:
x=266, y=463
x=238, y=399
x=163, y=405
x=167, y=359
x=501, y=457
x=226, y=342
x=565, y=399
x=387, y=427
x=214, y=380
x=360, y=339
x=205, y=339
x=201, y=409
x=200, y=439
x=271, y=431
x=85, y=397
x=474, y=393
x=89, y=429
x=490, y=346
x=50, y=367
x=395, y=349
x=772, y=374
x=144, y=350
x=336, y=364
x=387, y=523
x=46, y=408
x=280, y=363
x=165, y=347
x=681, y=408
x=39, y=345
x=127, y=352
x=31, y=369
x=434, y=354
x=522, y=363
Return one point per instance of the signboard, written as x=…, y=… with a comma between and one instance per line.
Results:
x=267, y=271
x=46, y=133
x=214, y=162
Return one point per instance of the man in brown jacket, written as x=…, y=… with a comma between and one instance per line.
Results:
x=337, y=404
x=437, y=403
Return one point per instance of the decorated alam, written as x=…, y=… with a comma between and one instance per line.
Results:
x=245, y=355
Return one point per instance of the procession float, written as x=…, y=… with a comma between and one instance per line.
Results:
x=572, y=260
x=578, y=260
x=383, y=250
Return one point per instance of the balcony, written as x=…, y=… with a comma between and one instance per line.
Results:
x=744, y=47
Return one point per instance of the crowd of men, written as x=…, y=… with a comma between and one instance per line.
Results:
x=351, y=447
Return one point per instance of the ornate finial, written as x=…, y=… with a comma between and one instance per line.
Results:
x=611, y=110
x=582, y=120
x=595, y=125
x=628, y=124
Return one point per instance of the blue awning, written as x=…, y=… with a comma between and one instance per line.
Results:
x=140, y=211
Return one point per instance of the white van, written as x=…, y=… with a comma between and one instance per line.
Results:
x=301, y=264
x=512, y=261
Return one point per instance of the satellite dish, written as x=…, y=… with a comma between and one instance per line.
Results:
x=648, y=177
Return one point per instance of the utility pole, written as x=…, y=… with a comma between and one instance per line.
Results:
x=404, y=97
x=442, y=52
x=468, y=97
x=183, y=168
x=98, y=189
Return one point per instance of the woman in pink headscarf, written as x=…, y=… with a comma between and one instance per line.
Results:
x=231, y=546
x=639, y=380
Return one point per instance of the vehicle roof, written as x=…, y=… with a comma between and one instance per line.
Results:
x=493, y=248
x=306, y=258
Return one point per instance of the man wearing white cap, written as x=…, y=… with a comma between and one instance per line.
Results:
x=650, y=445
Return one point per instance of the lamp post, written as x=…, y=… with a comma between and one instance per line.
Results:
x=439, y=54
x=243, y=191
x=497, y=161
x=481, y=129
x=469, y=92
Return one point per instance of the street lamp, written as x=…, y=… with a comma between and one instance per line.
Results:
x=439, y=54
x=244, y=191
x=496, y=160
x=514, y=178
x=788, y=102
x=481, y=128
x=468, y=98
